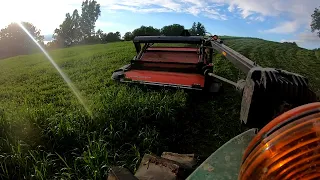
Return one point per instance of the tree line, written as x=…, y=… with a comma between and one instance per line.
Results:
x=14, y=41
x=170, y=30
x=77, y=28
x=80, y=29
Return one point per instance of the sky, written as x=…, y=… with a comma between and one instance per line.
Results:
x=275, y=20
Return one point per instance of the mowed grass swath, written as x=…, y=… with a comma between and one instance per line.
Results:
x=45, y=133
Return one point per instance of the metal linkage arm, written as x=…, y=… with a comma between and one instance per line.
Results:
x=240, y=61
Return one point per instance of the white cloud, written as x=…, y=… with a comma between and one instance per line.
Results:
x=271, y=7
x=193, y=10
x=305, y=39
x=194, y=7
x=248, y=7
x=137, y=4
x=299, y=12
x=217, y=17
x=296, y=10
x=260, y=18
x=284, y=28
x=48, y=14
x=256, y=18
x=103, y=24
x=140, y=10
x=231, y=7
x=311, y=37
x=213, y=13
x=245, y=13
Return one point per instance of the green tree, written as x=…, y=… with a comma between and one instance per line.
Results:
x=76, y=33
x=315, y=24
x=99, y=33
x=201, y=30
x=146, y=31
x=112, y=37
x=89, y=15
x=77, y=29
x=100, y=36
x=193, y=30
x=197, y=29
x=14, y=41
x=128, y=36
x=172, y=30
x=69, y=31
x=291, y=43
x=118, y=35
x=53, y=45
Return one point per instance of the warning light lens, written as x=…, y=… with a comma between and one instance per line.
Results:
x=224, y=53
x=287, y=148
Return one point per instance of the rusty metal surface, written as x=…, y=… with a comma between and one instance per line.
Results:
x=173, y=78
x=224, y=163
x=157, y=168
x=169, y=56
x=120, y=173
x=186, y=160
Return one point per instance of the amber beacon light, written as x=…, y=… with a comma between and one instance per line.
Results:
x=287, y=148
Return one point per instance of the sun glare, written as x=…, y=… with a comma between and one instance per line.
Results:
x=72, y=87
x=46, y=15
x=16, y=11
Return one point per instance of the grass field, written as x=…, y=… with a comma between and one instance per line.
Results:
x=45, y=133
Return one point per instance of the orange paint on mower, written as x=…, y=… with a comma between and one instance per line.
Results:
x=164, y=58
x=178, y=57
x=176, y=67
x=172, y=78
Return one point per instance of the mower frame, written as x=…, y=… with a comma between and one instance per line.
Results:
x=264, y=91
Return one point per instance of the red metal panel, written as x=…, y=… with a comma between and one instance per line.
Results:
x=169, y=65
x=166, y=77
x=180, y=57
x=174, y=49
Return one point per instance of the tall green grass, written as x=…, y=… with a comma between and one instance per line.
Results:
x=45, y=133
x=317, y=52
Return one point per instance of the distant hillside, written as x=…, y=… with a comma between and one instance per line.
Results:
x=317, y=52
x=280, y=55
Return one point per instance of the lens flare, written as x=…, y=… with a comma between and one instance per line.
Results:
x=75, y=91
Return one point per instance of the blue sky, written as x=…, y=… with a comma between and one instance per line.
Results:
x=276, y=20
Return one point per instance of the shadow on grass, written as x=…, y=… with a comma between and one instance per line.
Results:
x=127, y=123
x=203, y=125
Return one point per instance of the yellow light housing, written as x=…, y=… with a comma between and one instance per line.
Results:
x=287, y=148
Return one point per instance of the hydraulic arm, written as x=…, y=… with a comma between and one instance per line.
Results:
x=266, y=92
